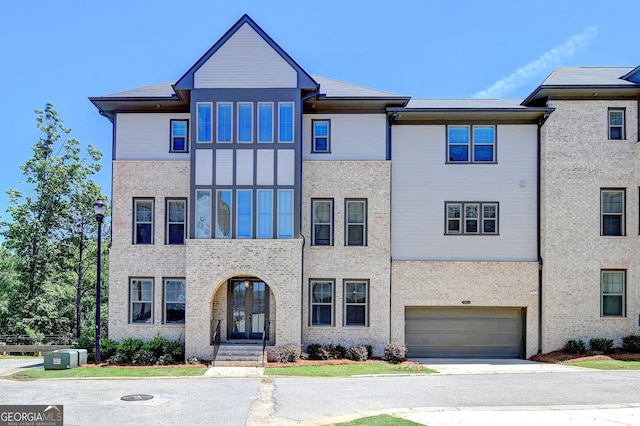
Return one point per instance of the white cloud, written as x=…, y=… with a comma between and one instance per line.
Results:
x=543, y=64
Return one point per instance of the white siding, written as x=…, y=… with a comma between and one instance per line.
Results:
x=422, y=182
x=244, y=167
x=245, y=60
x=352, y=137
x=224, y=167
x=145, y=137
x=286, y=167
x=264, y=175
x=204, y=167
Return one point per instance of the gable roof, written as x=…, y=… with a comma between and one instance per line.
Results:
x=633, y=75
x=187, y=80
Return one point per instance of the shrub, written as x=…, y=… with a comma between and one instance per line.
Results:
x=574, y=346
x=283, y=354
x=129, y=347
x=394, y=354
x=193, y=361
x=156, y=346
x=108, y=348
x=357, y=353
x=369, y=351
x=337, y=351
x=601, y=345
x=175, y=348
x=631, y=343
x=117, y=359
x=324, y=352
x=144, y=357
x=316, y=351
x=166, y=359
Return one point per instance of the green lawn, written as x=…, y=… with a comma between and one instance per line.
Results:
x=346, y=370
x=168, y=371
x=607, y=364
x=381, y=420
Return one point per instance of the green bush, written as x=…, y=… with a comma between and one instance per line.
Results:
x=631, y=343
x=156, y=346
x=601, y=345
x=574, y=346
x=357, y=353
x=129, y=347
x=166, y=359
x=394, y=354
x=117, y=359
x=144, y=357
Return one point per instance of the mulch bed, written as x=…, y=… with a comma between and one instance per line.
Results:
x=557, y=357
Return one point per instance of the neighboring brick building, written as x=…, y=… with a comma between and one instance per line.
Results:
x=255, y=197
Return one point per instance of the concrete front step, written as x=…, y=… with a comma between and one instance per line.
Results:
x=240, y=355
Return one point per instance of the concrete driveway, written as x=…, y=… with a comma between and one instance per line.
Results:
x=492, y=366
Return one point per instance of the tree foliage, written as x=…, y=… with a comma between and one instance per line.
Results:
x=49, y=244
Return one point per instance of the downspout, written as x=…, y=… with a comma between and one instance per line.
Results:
x=390, y=119
x=539, y=227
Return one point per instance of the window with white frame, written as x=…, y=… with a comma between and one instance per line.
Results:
x=223, y=213
x=285, y=122
x=203, y=213
x=265, y=122
x=175, y=295
x=613, y=283
x=141, y=301
x=356, y=303
x=322, y=300
x=176, y=216
x=616, y=123
x=143, y=221
x=204, y=118
x=471, y=144
x=471, y=218
x=322, y=222
x=224, y=115
x=356, y=223
x=321, y=141
x=245, y=122
x=179, y=136
x=245, y=213
x=612, y=212
x=285, y=213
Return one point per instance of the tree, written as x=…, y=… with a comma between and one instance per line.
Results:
x=49, y=231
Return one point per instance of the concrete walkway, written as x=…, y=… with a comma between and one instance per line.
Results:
x=492, y=366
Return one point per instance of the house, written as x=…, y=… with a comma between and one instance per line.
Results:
x=252, y=199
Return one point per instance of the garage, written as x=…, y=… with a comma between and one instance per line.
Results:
x=464, y=332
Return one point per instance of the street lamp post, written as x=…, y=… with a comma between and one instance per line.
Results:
x=99, y=208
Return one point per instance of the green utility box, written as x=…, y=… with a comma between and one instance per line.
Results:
x=81, y=354
x=58, y=360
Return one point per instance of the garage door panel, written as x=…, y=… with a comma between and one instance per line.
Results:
x=462, y=325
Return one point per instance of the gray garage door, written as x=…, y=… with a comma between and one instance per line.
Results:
x=464, y=332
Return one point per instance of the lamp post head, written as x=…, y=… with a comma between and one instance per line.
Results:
x=100, y=209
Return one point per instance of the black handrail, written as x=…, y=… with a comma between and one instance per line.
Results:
x=215, y=340
x=265, y=338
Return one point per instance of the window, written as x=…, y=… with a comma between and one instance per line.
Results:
x=225, y=121
x=174, y=300
x=141, y=301
x=203, y=213
x=471, y=144
x=245, y=122
x=613, y=293
x=179, y=135
x=223, y=213
x=176, y=221
x=471, y=218
x=356, y=223
x=616, y=123
x=612, y=212
x=356, y=303
x=265, y=122
x=321, y=222
x=265, y=215
x=321, y=302
x=245, y=209
x=285, y=117
x=204, y=122
x=143, y=221
x=285, y=213
x=320, y=138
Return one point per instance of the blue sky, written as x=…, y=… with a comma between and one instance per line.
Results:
x=65, y=51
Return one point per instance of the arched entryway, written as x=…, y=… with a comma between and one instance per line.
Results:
x=248, y=309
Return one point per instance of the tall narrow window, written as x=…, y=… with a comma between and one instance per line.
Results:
x=471, y=218
x=203, y=213
x=204, y=122
x=265, y=213
x=616, y=123
x=320, y=138
x=483, y=143
x=245, y=210
x=489, y=218
x=356, y=303
x=141, y=299
x=179, y=136
x=223, y=213
x=174, y=301
x=322, y=222
x=321, y=309
x=453, y=218
x=176, y=221
x=613, y=293
x=225, y=121
x=285, y=118
x=245, y=122
x=356, y=223
x=285, y=213
x=143, y=221
x=265, y=122
x=612, y=212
